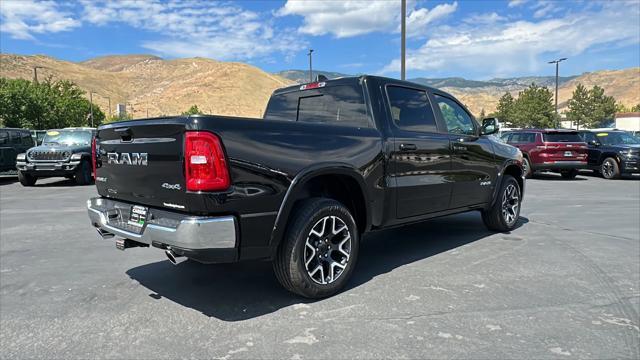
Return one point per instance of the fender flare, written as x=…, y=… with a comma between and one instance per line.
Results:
x=605, y=155
x=299, y=181
x=500, y=177
x=85, y=155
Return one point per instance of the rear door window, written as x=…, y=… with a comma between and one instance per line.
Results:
x=4, y=138
x=562, y=137
x=411, y=109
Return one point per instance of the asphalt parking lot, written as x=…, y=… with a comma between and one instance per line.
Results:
x=564, y=284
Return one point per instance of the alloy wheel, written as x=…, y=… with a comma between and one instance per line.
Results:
x=607, y=169
x=510, y=204
x=327, y=250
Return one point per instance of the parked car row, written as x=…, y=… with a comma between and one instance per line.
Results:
x=62, y=153
x=609, y=152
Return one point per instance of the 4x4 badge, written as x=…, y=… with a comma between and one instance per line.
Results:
x=171, y=186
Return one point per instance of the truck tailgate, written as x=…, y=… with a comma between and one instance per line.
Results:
x=142, y=162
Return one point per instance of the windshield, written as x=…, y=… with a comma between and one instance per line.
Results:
x=67, y=137
x=615, y=138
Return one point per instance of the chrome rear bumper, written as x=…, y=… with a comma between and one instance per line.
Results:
x=164, y=229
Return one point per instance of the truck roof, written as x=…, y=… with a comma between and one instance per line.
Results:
x=351, y=80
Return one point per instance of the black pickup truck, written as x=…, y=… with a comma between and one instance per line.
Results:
x=329, y=162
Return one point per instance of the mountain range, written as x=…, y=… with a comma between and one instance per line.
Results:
x=624, y=85
x=151, y=85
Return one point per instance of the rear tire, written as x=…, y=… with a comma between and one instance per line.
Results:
x=569, y=174
x=319, y=250
x=83, y=173
x=610, y=168
x=503, y=215
x=27, y=179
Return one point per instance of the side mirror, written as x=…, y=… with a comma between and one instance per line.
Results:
x=594, y=143
x=490, y=126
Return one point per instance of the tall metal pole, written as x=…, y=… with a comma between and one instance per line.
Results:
x=91, y=106
x=310, y=67
x=403, y=36
x=108, y=98
x=557, y=66
x=557, y=62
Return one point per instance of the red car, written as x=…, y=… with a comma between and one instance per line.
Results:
x=550, y=150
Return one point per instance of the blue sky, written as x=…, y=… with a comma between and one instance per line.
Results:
x=468, y=38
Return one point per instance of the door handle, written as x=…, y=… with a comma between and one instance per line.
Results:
x=408, y=147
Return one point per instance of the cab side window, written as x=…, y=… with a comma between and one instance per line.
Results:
x=15, y=138
x=27, y=140
x=411, y=109
x=457, y=119
x=4, y=138
x=589, y=137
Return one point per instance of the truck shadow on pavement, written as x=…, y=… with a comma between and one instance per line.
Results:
x=241, y=291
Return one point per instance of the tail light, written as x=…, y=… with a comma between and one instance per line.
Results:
x=205, y=163
x=94, y=157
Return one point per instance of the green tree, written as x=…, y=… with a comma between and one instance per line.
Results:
x=604, y=107
x=534, y=108
x=591, y=108
x=44, y=105
x=193, y=110
x=579, y=106
x=504, y=110
x=636, y=108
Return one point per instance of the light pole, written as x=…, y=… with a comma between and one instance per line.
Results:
x=557, y=62
x=35, y=73
x=310, y=67
x=91, y=106
x=403, y=36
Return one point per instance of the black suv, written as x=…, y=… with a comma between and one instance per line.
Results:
x=612, y=152
x=12, y=143
x=64, y=152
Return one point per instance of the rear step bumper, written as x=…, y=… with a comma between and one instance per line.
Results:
x=560, y=165
x=205, y=239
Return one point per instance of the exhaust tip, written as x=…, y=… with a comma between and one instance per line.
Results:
x=174, y=258
x=104, y=234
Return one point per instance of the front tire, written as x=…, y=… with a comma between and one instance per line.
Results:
x=83, y=173
x=569, y=174
x=610, y=168
x=319, y=251
x=26, y=179
x=503, y=215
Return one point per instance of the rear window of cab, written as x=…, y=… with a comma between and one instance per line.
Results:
x=333, y=105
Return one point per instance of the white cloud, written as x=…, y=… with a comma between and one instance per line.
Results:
x=515, y=3
x=487, y=18
x=24, y=18
x=418, y=19
x=352, y=17
x=217, y=30
x=544, y=8
x=523, y=46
